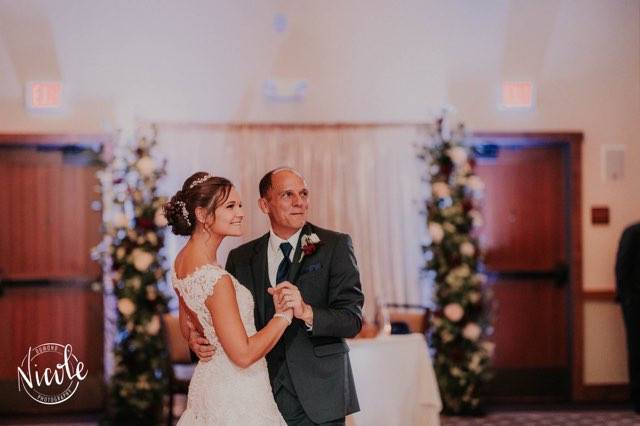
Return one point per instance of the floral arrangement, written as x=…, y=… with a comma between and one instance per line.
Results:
x=460, y=323
x=309, y=244
x=133, y=264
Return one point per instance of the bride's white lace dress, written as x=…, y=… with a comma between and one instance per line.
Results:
x=220, y=392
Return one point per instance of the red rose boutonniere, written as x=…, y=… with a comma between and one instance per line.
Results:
x=309, y=245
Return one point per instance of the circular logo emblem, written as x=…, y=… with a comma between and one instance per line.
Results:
x=50, y=373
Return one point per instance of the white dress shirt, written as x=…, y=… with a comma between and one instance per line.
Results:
x=275, y=255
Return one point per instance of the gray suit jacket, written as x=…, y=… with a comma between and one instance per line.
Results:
x=329, y=281
x=628, y=265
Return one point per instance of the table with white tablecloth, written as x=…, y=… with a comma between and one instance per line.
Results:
x=395, y=382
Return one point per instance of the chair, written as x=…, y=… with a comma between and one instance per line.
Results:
x=181, y=366
x=411, y=318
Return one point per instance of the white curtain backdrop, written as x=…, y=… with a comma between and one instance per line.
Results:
x=364, y=180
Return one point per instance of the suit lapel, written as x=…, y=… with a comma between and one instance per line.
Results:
x=259, y=271
x=296, y=265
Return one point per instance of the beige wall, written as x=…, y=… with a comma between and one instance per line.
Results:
x=124, y=61
x=606, y=362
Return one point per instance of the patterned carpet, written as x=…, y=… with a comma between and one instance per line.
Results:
x=616, y=416
x=550, y=418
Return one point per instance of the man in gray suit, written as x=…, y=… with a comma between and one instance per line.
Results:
x=316, y=271
x=628, y=294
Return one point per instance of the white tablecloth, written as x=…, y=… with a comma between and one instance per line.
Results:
x=395, y=382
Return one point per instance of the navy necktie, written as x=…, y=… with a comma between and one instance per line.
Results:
x=283, y=268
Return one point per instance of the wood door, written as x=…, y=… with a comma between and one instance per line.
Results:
x=525, y=240
x=47, y=228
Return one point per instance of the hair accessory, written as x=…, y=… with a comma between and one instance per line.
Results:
x=200, y=180
x=185, y=213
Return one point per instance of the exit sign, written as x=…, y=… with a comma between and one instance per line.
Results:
x=517, y=95
x=43, y=95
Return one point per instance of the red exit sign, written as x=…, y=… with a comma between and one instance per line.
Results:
x=44, y=95
x=517, y=94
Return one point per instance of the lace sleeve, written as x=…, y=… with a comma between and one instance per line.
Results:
x=210, y=279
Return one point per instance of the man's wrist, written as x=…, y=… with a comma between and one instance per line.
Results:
x=307, y=315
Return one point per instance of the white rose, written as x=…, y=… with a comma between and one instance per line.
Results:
x=454, y=280
x=454, y=312
x=455, y=372
x=446, y=336
x=146, y=166
x=489, y=347
x=463, y=271
x=141, y=259
x=475, y=183
x=159, y=219
x=152, y=238
x=120, y=220
x=474, y=297
x=467, y=249
x=474, y=364
x=143, y=384
x=314, y=239
x=153, y=326
x=458, y=155
x=440, y=189
x=151, y=293
x=120, y=252
x=476, y=218
x=471, y=331
x=436, y=232
x=126, y=306
x=480, y=278
x=134, y=282
x=461, y=181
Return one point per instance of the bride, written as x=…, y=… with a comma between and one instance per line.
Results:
x=233, y=387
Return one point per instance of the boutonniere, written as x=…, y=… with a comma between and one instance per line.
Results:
x=309, y=245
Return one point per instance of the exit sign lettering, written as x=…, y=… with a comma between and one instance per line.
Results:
x=517, y=95
x=43, y=95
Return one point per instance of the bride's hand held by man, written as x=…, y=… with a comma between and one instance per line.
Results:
x=280, y=303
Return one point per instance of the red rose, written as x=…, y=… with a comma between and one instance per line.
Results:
x=309, y=249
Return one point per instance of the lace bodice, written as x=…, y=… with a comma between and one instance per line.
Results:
x=197, y=286
x=220, y=392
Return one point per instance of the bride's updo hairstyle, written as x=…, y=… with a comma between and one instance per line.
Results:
x=199, y=190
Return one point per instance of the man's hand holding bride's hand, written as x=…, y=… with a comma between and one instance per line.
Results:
x=290, y=296
x=199, y=344
x=279, y=303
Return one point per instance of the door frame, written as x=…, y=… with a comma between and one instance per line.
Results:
x=93, y=141
x=572, y=142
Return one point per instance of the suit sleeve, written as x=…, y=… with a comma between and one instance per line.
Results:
x=230, y=266
x=342, y=317
x=628, y=250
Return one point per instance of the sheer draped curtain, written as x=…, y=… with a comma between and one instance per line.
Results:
x=364, y=180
